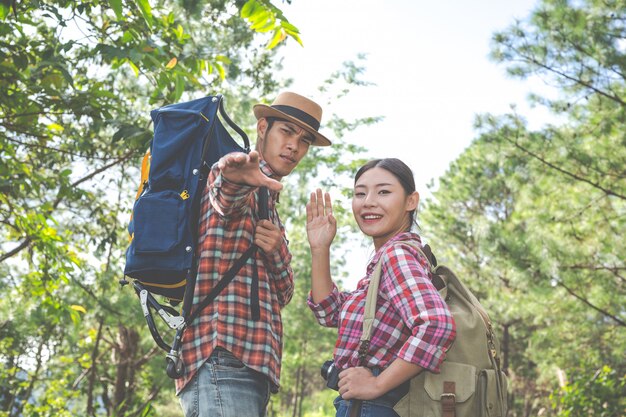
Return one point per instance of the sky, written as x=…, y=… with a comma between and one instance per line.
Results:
x=429, y=61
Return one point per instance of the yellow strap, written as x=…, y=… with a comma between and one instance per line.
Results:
x=175, y=285
x=145, y=170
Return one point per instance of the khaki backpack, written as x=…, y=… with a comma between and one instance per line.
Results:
x=471, y=382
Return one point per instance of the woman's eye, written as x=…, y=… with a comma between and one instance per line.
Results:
x=384, y=192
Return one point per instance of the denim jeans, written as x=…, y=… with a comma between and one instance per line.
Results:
x=225, y=387
x=379, y=407
x=368, y=409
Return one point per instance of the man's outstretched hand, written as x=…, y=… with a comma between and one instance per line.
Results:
x=242, y=168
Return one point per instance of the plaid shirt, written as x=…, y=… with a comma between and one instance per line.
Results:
x=412, y=321
x=228, y=218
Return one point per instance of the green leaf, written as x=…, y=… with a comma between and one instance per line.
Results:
x=77, y=307
x=221, y=71
x=262, y=28
x=180, y=87
x=289, y=27
x=279, y=36
x=4, y=10
x=55, y=127
x=223, y=58
x=249, y=9
x=146, y=11
x=116, y=5
x=134, y=67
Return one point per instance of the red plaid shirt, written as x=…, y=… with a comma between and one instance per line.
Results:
x=228, y=218
x=412, y=322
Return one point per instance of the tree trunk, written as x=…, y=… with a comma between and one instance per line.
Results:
x=93, y=374
x=124, y=355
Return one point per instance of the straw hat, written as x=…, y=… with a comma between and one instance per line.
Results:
x=297, y=109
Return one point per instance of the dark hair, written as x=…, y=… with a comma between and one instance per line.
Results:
x=398, y=169
x=270, y=121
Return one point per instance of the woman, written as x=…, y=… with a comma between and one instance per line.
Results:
x=413, y=326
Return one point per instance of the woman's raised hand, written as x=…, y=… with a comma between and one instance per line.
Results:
x=321, y=225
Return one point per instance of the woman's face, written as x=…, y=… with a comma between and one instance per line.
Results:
x=380, y=205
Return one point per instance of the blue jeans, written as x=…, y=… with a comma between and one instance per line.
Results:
x=378, y=407
x=225, y=387
x=368, y=409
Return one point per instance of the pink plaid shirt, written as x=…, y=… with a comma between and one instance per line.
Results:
x=228, y=218
x=412, y=321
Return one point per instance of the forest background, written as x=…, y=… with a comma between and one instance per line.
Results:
x=531, y=218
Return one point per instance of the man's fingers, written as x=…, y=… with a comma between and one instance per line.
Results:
x=231, y=160
x=254, y=156
x=272, y=184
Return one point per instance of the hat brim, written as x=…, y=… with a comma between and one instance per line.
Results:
x=264, y=111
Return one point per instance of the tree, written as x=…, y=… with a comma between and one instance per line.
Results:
x=534, y=219
x=77, y=80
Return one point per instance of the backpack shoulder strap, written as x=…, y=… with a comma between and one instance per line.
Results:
x=370, y=302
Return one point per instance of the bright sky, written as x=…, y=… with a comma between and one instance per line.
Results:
x=429, y=61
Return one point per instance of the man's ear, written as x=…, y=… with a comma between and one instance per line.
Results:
x=261, y=127
x=412, y=201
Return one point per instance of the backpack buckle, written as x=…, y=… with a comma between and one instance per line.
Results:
x=448, y=399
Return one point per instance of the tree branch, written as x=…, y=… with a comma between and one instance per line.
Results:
x=50, y=148
x=561, y=170
x=588, y=303
x=534, y=61
x=24, y=244
x=28, y=240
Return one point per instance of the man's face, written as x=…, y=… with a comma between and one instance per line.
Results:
x=283, y=145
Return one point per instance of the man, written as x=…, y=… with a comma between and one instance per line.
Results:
x=232, y=359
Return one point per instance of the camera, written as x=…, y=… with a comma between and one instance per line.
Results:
x=331, y=374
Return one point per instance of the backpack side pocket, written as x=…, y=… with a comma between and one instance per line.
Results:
x=492, y=393
x=157, y=222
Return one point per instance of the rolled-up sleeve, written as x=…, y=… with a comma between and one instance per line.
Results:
x=407, y=283
x=328, y=310
x=228, y=198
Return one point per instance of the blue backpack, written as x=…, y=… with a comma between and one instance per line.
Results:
x=161, y=258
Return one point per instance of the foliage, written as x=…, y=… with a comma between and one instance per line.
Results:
x=77, y=80
x=601, y=393
x=534, y=219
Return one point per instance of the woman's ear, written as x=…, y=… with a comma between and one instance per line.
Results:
x=412, y=201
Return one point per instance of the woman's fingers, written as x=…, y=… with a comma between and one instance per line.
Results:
x=320, y=202
x=329, y=204
x=319, y=205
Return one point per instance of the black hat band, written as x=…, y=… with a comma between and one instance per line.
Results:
x=299, y=114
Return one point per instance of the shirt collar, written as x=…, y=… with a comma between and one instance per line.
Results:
x=265, y=168
x=402, y=236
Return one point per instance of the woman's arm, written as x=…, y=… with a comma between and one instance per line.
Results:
x=361, y=384
x=321, y=227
